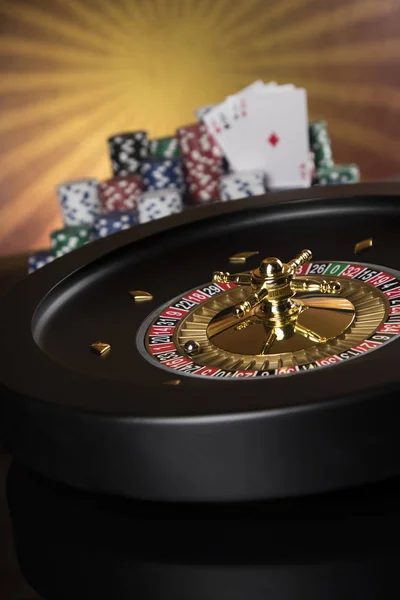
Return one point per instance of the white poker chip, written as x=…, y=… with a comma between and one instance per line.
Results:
x=241, y=185
x=156, y=204
x=79, y=201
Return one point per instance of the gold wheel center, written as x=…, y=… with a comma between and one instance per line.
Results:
x=351, y=318
x=275, y=318
x=270, y=305
x=328, y=317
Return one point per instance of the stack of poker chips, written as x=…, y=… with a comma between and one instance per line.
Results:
x=127, y=151
x=163, y=181
x=242, y=185
x=147, y=182
x=151, y=177
x=80, y=208
x=203, y=163
x=325, y=171
x=119, y=195
x=320, y=144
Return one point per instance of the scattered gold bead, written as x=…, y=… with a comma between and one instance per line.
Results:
x=100, y=348
x=241, y=257
x=141, y=296
x=363, y=245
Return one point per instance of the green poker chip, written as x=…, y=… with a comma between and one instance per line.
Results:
x=70, y=238
x=165, y=147
x=337, y=174
x=320, y=144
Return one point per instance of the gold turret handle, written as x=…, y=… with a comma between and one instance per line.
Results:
x=273, y=286
x=322, y=287
x=238, y=278
x=301, y=259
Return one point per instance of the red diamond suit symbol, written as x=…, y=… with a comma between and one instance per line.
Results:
x=273, y=139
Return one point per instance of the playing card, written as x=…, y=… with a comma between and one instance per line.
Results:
x=221, y=117
x=203, y=110
x=235, y=104
x=239, y=102
x=271, y=136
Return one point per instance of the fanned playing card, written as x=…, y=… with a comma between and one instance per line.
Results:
x=265, y=127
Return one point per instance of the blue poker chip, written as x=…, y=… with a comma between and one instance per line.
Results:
x=114, y=222
x=162, y=174
x=39, y=259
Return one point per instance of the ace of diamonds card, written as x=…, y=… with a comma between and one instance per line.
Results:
x=270, y=134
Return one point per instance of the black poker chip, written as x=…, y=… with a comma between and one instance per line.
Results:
x=127, y=152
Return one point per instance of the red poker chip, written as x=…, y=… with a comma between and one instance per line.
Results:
x=120, y=193
x=204, y=191
x=201, y=181
x=208, y=185
x=199, y=169
x=197, y=137
x=203, y=162
x=196, y=160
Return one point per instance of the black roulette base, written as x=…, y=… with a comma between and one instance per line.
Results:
x=73, y=544
x=309, y=411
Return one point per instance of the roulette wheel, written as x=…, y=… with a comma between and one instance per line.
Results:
x=211, y=356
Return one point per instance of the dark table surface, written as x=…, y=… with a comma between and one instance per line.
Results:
x=12, y=584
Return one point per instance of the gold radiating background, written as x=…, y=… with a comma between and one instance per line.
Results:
x=76, y=71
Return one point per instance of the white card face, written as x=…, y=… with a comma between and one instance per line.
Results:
x=271, y=136
x=255, y=86
x=236, y=105
x=217, y=120
x=223, y=117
